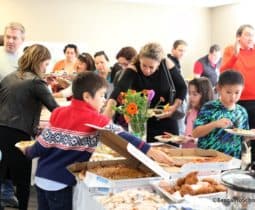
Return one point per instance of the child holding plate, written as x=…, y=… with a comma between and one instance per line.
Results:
x=217, y=115
x=200, y=91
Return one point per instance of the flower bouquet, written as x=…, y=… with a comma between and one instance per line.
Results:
x=135, y=108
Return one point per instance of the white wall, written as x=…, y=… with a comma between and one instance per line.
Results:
x=110, y=25
x=227, y=19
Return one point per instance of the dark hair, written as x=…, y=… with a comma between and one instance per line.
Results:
x=99, y=53
x=214, y=48
x=25, y=48
x=204, y=87
x=179, y=42
x=230, y=77
x=241, y=29
x=71, y=46
x=127, y=52
x=88, y=59
x=87, y=82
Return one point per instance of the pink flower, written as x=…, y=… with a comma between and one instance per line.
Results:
x=151, y=94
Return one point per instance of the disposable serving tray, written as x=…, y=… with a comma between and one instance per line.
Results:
x=100, y=184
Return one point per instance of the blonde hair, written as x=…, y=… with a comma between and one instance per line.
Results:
x=152, y=50
x=16, y=26
x=32, y=58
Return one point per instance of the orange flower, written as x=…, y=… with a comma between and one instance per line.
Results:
x=132, y=108
x=134, y=105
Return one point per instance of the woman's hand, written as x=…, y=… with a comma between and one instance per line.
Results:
x=159, y=156
x=167, y=113
x=63, y=83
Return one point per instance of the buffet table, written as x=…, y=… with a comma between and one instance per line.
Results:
x=206, y=162
x=83, y=199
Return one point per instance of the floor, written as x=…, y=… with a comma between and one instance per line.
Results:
x=32, y=201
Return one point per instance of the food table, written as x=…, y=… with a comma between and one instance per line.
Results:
x=83, y=199
x=88, y=193
x=131, y=198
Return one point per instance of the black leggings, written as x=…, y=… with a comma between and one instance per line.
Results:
x=14, y=165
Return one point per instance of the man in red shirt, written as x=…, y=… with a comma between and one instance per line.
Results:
x=241, y=57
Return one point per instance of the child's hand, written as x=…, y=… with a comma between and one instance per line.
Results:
x=190, y=138
x=223, y=123
x=160, y=156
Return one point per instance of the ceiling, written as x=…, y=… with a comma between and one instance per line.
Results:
x=197, y=3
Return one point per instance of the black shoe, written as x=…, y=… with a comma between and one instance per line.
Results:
x=10, y=202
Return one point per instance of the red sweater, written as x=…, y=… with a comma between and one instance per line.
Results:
x=68, y=140
x=244, y=62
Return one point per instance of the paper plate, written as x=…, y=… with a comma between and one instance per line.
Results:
x=155, y=112
x=22, y=144
x=173, y=138
x=241, y=132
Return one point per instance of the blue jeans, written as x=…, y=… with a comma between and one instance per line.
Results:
x=55, y=200
x=7, y=190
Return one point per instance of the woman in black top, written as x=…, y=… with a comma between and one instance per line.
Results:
x=147, y=73
x=22, y=95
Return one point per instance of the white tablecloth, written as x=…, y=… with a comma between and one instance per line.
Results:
x=83, y=199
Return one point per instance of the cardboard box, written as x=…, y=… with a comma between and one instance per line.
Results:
x=176, y=172
x=102, y=185
x=137, y=158
x=163, y=145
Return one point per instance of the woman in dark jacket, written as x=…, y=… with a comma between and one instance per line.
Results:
x=148, y=73
x=22, y=95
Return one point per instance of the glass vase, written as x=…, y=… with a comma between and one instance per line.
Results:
x=138, y=129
